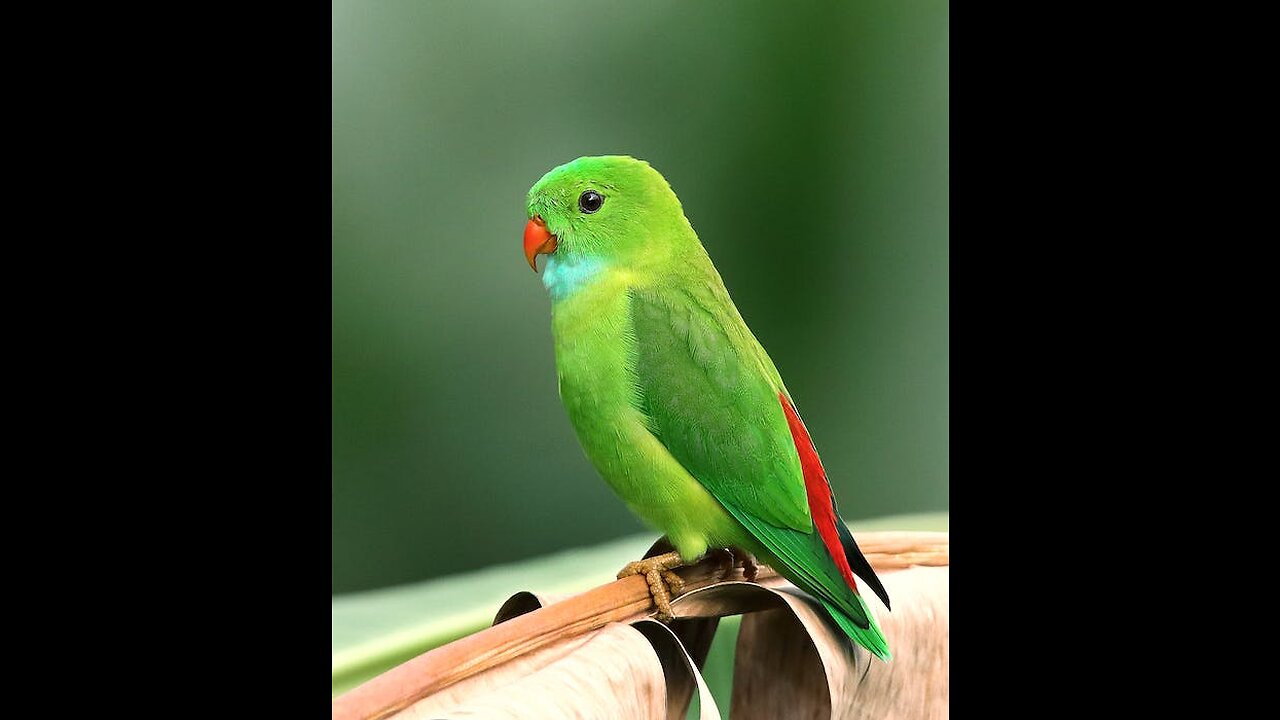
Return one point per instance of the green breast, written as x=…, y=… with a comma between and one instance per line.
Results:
x=595, y=356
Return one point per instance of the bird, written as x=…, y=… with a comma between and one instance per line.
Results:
x=674, y=400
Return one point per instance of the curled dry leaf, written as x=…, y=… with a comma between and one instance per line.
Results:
x=504, y=675
x=682, y=671
x=681, y=647
x=792, y=661
x=579, y=657
x=614, y=674
x=620, y=671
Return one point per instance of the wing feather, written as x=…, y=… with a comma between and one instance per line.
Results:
x=714, y=410
x=712, y=397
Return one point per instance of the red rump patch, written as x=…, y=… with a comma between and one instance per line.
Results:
x=819, y=492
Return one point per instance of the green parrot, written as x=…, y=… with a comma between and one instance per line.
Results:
x=674, y=400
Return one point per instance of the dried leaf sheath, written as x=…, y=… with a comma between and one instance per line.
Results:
x=627, y=600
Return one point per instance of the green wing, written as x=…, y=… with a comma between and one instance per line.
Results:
x=711, y=396
x=715, y=409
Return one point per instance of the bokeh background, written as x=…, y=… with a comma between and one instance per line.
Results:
x=809, y=145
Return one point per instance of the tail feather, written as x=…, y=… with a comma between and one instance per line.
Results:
x=826, y=567
x=870, y=637
x=858, y=563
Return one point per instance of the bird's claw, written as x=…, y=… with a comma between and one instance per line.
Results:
x=737, y=557
x=662, y=582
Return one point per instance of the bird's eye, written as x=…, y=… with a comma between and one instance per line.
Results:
x=590, y=201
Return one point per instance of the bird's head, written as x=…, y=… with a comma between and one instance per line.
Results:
x=607, y=210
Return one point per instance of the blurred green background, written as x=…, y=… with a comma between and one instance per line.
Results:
x=809, y=146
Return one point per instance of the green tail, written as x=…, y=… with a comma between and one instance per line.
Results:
x=871, y=638
x=803, y=559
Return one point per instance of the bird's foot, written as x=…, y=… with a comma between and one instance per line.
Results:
x=662, y=582
x=733, y=557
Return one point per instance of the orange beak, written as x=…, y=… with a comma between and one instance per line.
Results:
x=537, y=241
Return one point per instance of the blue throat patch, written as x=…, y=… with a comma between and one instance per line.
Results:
x=564, y=276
